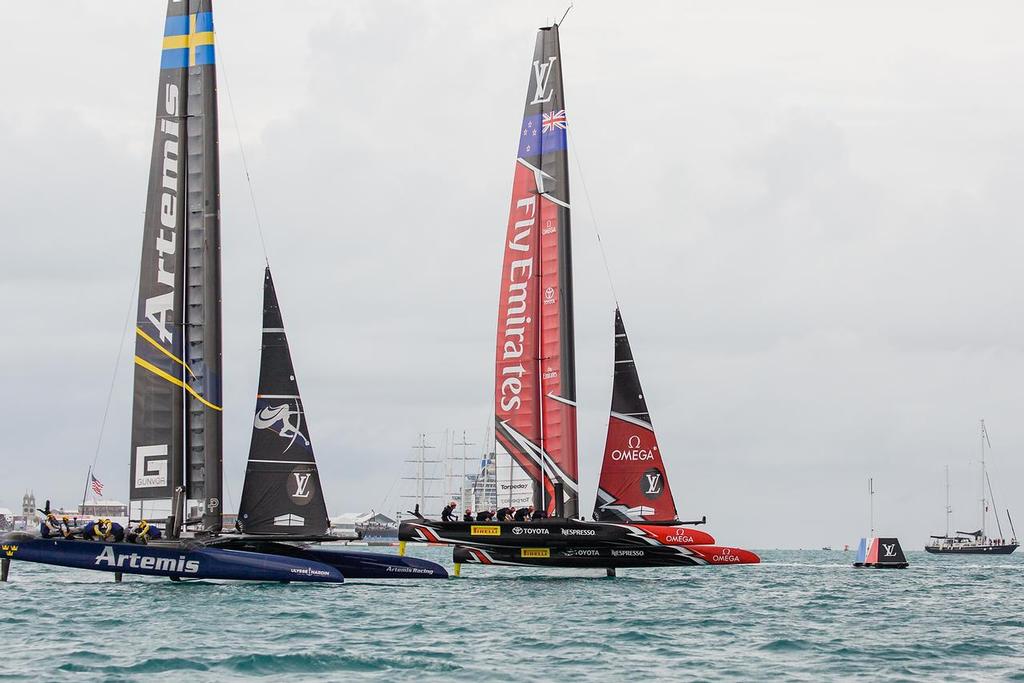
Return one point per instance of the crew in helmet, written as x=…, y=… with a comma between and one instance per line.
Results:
x=144, y=533
x=103, y=530
x=50, y=526
x=447, y=513
x=65, y=528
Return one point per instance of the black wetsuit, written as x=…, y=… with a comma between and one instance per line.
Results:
x=540, y=514
x=522, y=514
x=446, y=514
x=483, y=516
x=504, y=514
x=467, y=517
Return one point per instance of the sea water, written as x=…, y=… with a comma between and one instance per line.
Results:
x=802, y=615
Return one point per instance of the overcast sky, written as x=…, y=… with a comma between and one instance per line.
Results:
x=811, y=210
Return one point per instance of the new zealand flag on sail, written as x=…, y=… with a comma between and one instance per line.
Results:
x=542, y=133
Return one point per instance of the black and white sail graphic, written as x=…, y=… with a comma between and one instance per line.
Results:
x=282, y=493
x=177, y=346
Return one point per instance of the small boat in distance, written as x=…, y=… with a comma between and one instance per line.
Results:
x=975, y=542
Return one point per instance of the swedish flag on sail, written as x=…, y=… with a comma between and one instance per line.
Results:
x=188, y=41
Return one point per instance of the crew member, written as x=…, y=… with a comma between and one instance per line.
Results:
x=65, y=528
x=144, y=533
x=505, y=514
x=467, y=516
x=446, y=513
x=484, y=516
x=49, y=526
x=540, y=513
x=103, y=530
x=523, y=514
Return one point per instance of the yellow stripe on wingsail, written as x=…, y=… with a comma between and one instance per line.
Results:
x=175, y=381
x=175, y=42
x=161, y=349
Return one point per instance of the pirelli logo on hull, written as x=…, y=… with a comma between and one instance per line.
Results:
x=535, y=552
x=485, y=530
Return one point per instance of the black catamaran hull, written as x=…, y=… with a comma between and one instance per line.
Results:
x=170, y=560
x=353, y=564
x=605, y=557
x=550, y=533
x=973, y=550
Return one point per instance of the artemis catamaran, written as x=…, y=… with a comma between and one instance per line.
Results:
x=176, y=442
x=635, y=520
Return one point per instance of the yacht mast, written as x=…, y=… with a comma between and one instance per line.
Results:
x=984, y=500
x=871, y=504
x=949, y=509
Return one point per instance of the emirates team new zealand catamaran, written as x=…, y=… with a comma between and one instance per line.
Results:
x=635, y=520
x=176, y=451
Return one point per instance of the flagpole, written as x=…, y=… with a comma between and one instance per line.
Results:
x=85, y=493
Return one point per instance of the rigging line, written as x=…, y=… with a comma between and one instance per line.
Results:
x=241, y=150
x=387, y=496
x=227, y=490
x=117, y=364
x=593, y=216
x=567, y=9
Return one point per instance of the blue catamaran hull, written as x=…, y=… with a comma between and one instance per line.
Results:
x=353, y=564
x=171, y=561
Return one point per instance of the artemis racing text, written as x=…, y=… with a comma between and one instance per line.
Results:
x=159, y=306
x=135, y=561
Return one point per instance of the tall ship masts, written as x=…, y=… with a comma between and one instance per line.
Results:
x=975, y=542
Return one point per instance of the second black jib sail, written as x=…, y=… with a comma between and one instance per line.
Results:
x=281, y=494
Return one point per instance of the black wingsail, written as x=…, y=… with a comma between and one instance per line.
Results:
x=282, y=493
x=204, y=437
x=178, y=338
x=157, y=447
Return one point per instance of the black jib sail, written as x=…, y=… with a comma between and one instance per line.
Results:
x=535, y=370
x=634, y=485
x=177, y=347
x=282, y=493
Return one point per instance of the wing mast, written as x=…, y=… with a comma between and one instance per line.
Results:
x=535, y=373
x=177, y=345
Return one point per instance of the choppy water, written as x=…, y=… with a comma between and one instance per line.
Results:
x=801, y=615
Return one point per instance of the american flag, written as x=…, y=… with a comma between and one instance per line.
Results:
x=97, y=485
x=555, y=119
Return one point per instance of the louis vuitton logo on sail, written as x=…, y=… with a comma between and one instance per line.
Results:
x=541, y=76
x=159, y=306
x=515, y=320
x=301, y=484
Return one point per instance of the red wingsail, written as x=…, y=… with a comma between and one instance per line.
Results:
x=634, y=485
x=535, y=375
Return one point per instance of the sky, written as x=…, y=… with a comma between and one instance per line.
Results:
x=811, y=213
